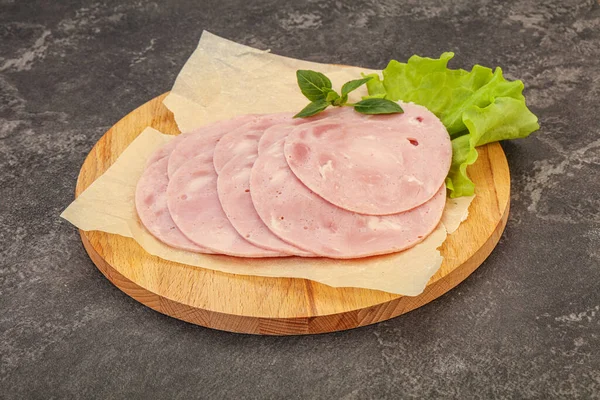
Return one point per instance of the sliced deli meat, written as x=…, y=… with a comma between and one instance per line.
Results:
x=151, y=206
x=266, y=185
x=376, y=165
x=302, y=218
x=195, y=207
x=246, y=136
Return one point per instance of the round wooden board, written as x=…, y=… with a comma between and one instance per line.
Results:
x=280, y=306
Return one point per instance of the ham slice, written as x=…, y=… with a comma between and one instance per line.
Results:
x=194, y=205
x=151, y=204
x=376, y=165
x=302, y=218
x=246, y=137
x=198, y=141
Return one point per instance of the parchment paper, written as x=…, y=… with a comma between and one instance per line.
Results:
x=223, y=79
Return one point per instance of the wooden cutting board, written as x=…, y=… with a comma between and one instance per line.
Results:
x=279, y=306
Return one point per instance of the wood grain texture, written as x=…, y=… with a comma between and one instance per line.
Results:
x=279, y=306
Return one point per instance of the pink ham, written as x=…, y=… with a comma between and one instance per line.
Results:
x=246, y=137
x=305, y=220
x=195, y=207
x=151, y=205
x=196, y=142
x=376, y=165
x=233, y=187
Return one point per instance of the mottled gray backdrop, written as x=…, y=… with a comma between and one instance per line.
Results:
x=525, y=325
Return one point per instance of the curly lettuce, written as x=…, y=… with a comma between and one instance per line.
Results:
x=476, y=107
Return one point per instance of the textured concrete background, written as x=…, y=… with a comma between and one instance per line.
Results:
x=525, y=325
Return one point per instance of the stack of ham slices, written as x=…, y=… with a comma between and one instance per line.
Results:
x=339, y=185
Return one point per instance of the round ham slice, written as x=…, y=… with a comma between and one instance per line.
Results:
x=246, y=137
x=198, y=141
x=195, y=207
x=302, y=218
x=233, y=187
x=151, y=205
x=376, y=165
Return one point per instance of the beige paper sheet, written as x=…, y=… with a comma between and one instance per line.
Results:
x=456, y=211
x=108, y=205
x=223, y=79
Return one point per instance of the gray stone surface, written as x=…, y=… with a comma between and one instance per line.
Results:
x=524, y=325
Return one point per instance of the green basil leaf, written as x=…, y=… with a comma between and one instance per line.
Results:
x=377, y=106
x=313, y=108
x=314, y=85
x=353, y=85
x=332, y=96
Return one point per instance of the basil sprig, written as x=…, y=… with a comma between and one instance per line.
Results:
x=316, y=87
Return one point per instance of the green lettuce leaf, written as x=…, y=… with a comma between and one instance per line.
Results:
x=476, y=107
x=505, y=118
x=463, y=155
